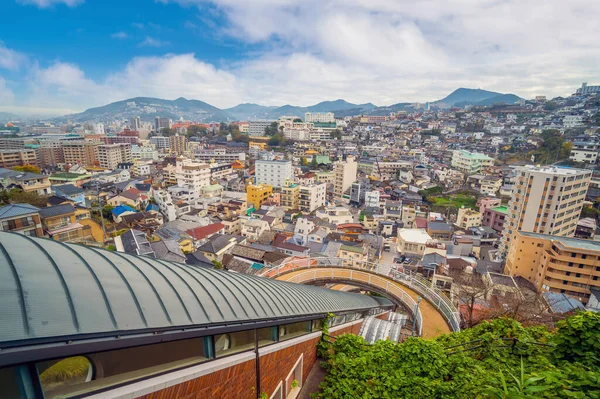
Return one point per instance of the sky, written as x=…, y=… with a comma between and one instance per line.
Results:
x=64, y=56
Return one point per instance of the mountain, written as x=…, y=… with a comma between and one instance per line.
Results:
x=147, y=108
x=249, y=111
x=7, y=117
x=461, y=97
x=256, y=112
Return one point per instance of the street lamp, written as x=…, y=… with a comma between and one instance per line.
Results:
x=414, y=327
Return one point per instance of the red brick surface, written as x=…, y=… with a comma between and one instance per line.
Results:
x=382, y=316
x=234, y=382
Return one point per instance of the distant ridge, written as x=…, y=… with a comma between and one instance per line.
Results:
x=147, y=108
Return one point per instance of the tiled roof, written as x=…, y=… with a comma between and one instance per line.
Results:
x=57, y=210
x=200, y=233
x=9, y=211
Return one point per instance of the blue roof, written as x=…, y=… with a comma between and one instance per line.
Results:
x=122, y=209
x=51, y=290
x=561, y=303
x=152, y=207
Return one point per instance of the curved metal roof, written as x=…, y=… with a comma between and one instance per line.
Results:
x=50, y=289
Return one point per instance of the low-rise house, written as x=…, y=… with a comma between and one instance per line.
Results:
x=60, y=223
x=200, y=234
x=218, y=245
x=168, y=250
x=495, y=217
x=586, y=228
x=134, y=242
x=70, y=192
x=439, y=230
x=22, y=219
x=335, y=215
x=26, y=181
x=119, y=211
x=412, y=242
x=253, y=228
x=132, y=197
x=490, y=185
x=467, y=218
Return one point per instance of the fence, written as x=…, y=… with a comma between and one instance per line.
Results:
x=420, y=285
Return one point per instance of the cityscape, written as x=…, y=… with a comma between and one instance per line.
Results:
x=162, y=243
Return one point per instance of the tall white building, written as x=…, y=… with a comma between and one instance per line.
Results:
x=99, y=128
x=111, y=155
x=545, y=200
x=321, y=117
x=345, y=174
x=273, y=173
x=192, y=175
x=144, y=153
x=257, y=128
x=312, y=197
x=372, y=199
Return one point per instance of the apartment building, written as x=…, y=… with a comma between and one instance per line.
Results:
x=111, y=155
x=372, y=199
x=12, y=158
x=335, y=214
x=470, y=162
x=290, y=195
x=22, y=219
x=193, y=175
x=51, y=153
x=545, y=200
x=345, y=174
x=81, y=152
x=495, y=218
x=273, y=173
x=468, y=218
x=177, y=144
x=584, y=152
x=257, y=128
x=570, y=266
x=312, y=197
x=322, y=117
x=219, y=155
x=257, y=194
x=144, y=153
x=160, y=142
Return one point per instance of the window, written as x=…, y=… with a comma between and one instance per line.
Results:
x=10, y=383
x=289, y=331
x=84, y=374
x=226, y=344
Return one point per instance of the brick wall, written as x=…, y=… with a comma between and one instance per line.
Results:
x=274, y=367
x=233, y=382
x=382, y=316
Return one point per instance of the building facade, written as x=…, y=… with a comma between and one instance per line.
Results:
x=312, y=197
x=345, y=174
x=322, y=117
x=273, y=173
x=257, y=194
x=81, y=152
x=546, y=200
x=111, y=155
x=12, y=158
x=470, y=162
x=257, y=128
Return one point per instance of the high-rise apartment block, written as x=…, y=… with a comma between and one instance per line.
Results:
x=177, y=144
x=562, y=265
x=81, y=152
x=273, y=173
x=193, y=175
x=135, y=123
x=546, y=200
x=111, y=155
x=162, y=123
x=12, y=158
x=160, y=142
x=319, y=117
x=345, y=175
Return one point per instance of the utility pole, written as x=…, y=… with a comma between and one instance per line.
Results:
x=414, y=327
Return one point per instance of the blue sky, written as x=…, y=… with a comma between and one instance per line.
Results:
x=59, y=56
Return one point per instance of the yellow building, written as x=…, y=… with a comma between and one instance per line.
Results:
x=557, y=264
x=260, y=146
x=290, y=195
x=257, y=194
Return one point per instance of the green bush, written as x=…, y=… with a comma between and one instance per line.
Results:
x=497, y=359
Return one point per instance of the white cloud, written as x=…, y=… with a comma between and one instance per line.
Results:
x=119, y=35
x=7, y=97
x=10, y=59
x=151, y=42
x=51, y=3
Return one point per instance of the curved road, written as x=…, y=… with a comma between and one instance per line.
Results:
x=434, y=324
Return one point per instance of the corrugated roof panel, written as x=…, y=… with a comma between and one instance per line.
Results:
x=52, y=290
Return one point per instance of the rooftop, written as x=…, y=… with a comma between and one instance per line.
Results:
x=576, y=243
x=500, y=209
x=14, y=210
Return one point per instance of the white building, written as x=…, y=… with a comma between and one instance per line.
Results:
x=257, y=128
x=345, y=175
x=470, y=162
x=273, y=173
x=253, y=228
x=143, y=168
x=312, y=197
x=165, y=203
x=111, y=155
x=219, y=155
x=467, y=218
x=143, y=153
x=412, y=242
x=160, y=142
x=321, y=117
x=372, y=199
x=193, y=175
x=572, y=121
x=335, y=214
x=584, y=152
x=545, y=200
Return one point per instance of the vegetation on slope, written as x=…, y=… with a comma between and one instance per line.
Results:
x=498, y=359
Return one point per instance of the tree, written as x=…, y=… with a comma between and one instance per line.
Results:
x=167, y=131
x=107, y=211
x=196, y=131
x=297, y=120
x=275, y=140
x=303, y=161
x=550, y=106
x=18, y=196
x=272, y=129
x=313, y=162
x=27, y=168
x=336, y=134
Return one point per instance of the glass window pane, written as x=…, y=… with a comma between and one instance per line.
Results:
x=317, y=325
x=226, y=344
x=78, y=375
x=267, y=336
x=293, y=330
x=9, y=383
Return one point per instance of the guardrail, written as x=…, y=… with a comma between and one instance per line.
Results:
x=374, y=280
x=420, y=285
